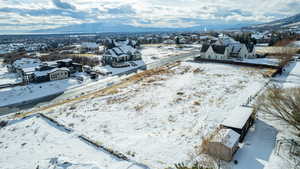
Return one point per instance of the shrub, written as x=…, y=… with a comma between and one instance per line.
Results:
x=281, y=104
x=194, y=166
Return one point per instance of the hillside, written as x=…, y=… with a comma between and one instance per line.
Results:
x=99, y=27
x=292, y=22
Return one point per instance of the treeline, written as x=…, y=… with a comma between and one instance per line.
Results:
x=244, y=37
x=282, y=39
x=9, y=58
x=90, y=61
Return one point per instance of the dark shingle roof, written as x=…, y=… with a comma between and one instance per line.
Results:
x=204, y=48
x=250, y=48
x=220, y=49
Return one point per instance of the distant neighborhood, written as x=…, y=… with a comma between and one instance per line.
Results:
x=44, y=60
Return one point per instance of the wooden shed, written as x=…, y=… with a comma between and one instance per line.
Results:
x=240, y=120
x=223, y=144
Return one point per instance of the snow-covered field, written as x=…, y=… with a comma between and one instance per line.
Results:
x=264, y=61
x=161, y=120
x=152, y=53
x=291, y=76
x=35, y=143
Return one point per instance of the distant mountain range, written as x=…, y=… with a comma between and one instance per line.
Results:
x=292, y=22
x=114, y=27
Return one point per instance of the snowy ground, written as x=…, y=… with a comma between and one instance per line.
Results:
x=267, y=131
x=36, y=143
x=6, y=77
x=32, y=91
x=264, y=61
x=257, y=148
x=152, y=53
x=291, y=76
x=160, y=120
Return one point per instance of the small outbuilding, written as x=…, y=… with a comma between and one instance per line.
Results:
x=223, y=144
x=240, y=120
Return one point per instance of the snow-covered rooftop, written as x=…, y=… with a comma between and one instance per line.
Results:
x=238, y=117
x=91, y=45
x=228, y=137
x=26, y=63
x=59, y=69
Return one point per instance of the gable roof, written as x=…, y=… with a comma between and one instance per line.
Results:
x=228, y=137
x=204, y=48
x=250, y=48
x=219, y=49
x=236, y=49
x=59, y=69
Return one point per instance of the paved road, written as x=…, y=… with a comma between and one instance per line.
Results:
x=98, y=85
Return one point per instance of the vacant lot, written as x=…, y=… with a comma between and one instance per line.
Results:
x=152, y=53
x=161, y=119
x=36, y=143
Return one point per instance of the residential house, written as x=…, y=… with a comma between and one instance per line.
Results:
x=227, y=50
x=120, y=51
x=22, y=63
x=251, y=52
x=214, y=52
x=239, y=51
x=36, y=71
x=59, y=73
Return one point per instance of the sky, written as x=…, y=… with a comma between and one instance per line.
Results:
x=25, y=15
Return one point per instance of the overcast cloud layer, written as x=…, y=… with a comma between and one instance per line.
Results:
x=24, y=15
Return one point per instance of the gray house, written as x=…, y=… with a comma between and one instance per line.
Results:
x=120, y=51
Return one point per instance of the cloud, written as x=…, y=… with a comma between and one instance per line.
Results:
x=224, y=12
x=123, y=9
x=45, y=12
x=293, y=6
x=63, y=5
x=151, y=13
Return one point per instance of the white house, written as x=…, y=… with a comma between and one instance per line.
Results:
x=234, y=50
x=239, y=51
x=214, y=52
x=59, y=73
x=251, y=52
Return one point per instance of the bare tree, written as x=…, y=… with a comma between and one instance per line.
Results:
x=281, y=104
